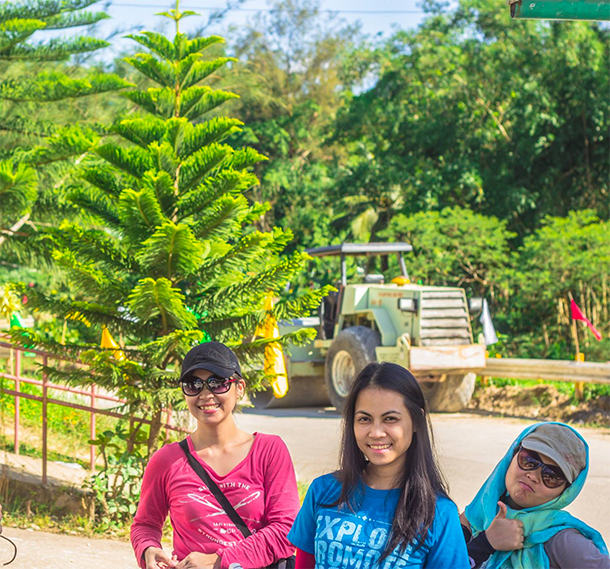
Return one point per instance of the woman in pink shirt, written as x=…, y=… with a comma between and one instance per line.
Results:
x=253, y=470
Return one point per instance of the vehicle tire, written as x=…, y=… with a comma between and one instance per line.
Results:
x=351, y=351
x=450, y=395
x=302, y=392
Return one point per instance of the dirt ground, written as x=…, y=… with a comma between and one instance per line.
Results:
x=541, y=402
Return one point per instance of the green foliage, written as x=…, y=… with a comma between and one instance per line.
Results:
x=567, y=255
x=66, y=425
x=169, y=255
x=591, y=391
x=30, y=80
x=116, y=488
x=528, y=288
x=40, y=94
x=9, y=303
x=478, y=139
x=455, y=247
x=17, y=188
x=472, y=109
x=20, y=20
x=54, y=86
x=464, y=137
x=291, y=84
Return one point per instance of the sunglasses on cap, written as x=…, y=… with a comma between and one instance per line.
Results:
x=552, y=476
x=192, y=385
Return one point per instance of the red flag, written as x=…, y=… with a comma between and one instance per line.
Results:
x=578, y=315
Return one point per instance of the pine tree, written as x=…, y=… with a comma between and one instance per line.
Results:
x=172, y=258
x=23, y=91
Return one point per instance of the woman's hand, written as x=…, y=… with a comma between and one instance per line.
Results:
x=156, y=558
x=200, y=561
x=504, y=534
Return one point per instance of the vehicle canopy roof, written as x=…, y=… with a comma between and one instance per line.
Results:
x=360, y=249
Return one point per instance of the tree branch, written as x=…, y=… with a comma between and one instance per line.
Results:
x=16, y=227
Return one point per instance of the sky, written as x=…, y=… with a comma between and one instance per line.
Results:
x=376, y=17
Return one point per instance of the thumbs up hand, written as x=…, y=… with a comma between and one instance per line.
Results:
x=504, y=534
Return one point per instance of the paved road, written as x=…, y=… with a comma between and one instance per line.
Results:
x=469, y=446
x=40, y=550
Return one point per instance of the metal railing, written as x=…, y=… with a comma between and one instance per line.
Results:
x=554, y=370
x=18, y=377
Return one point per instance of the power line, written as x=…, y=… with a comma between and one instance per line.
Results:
x=211, y=8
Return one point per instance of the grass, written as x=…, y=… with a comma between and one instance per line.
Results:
x=68, y=441
x=25, y=449
x=40, y=519
x=591, y=391
x=68, y=428
x=19, y=514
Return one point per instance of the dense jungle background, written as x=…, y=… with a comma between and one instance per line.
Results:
x=481, y=141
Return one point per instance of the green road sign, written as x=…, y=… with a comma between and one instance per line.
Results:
x=560, y=10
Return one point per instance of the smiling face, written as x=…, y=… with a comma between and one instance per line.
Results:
x=525, y=487
x=208, y=407
x=383, y=429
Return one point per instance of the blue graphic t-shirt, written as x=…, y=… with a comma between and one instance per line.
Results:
x=342, y=539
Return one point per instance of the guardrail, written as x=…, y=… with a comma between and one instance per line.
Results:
x=554, y=370
x=92, y=393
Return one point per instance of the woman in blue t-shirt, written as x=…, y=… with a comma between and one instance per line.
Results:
x=387, y=506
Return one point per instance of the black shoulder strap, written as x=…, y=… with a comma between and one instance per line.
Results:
x=218, y=494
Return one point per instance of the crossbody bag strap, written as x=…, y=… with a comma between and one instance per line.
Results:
x=218, y=493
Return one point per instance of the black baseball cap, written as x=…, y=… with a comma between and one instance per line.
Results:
x=211, y=356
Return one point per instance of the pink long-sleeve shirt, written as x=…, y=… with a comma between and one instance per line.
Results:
x=262, y=489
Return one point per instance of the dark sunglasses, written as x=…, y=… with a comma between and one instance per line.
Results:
x=192, y=386
x=552, y=476
x=14, y=548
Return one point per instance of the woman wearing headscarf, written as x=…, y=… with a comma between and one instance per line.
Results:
x=517, y=520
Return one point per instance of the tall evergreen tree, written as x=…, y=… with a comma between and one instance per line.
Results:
x=171, y=258
x=292, y=81
x=30, y=76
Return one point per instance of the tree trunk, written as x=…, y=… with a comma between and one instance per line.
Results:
x=155, y=429
x=379, y=225
x=545, y=334
x=133, y=433
x=604, y=310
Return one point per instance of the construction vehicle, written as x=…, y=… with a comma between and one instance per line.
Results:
x=426, y=329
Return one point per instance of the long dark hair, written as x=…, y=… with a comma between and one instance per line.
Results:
x=421, y=480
